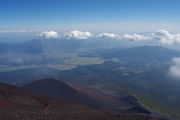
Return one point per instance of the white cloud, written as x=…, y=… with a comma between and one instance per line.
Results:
x=22, y=31
x=175, y=69
x=50, y=34
x=166, y=38
x=107, y=35
x=134, y=37
x=78, y=34
x=13, y=31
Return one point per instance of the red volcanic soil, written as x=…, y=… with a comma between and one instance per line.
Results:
x=3, y=102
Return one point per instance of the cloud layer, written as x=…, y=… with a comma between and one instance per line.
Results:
x=175, y=69
x=50, y=34
x=163, y=36
x=107, y=35
x=134, y=37
x=78, y=35
x=166, y=38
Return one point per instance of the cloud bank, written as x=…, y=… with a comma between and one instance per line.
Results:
x=166, y=38
x=134, y=37
x=175, y=69
x=163, y=36
x=78, y=35
x=50, y=34
x=107, y=35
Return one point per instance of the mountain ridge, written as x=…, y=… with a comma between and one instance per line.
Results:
x=141, y=54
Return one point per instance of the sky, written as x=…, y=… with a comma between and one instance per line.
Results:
x=28, y=19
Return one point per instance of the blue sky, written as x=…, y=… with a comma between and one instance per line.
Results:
x=113, y=16
x=24, y=14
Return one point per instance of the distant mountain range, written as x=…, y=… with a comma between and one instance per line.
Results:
x=38, y=46
x=141, y=54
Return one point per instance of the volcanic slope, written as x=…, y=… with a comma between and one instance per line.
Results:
x=19, y=104
x=92, y=98
x=81, y=95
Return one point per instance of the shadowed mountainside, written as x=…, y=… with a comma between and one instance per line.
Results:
x=60, y=90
